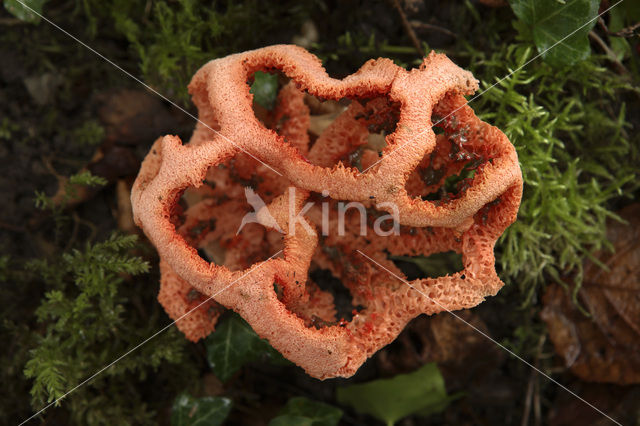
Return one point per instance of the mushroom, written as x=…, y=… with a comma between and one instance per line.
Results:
x=299, y=182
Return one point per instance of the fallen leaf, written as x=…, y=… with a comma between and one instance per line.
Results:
x=444, y=339
x=619, y=402
x=115, y=162
x=133, y=117
x=606, y=346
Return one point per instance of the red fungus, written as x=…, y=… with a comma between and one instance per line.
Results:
x=276, y=295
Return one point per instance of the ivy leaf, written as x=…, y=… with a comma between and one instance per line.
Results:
x=234, y=344
x=23, y=13
x=205, y=411
x=553, y=20
x=421, y=392
x=265, y=89
x=301, y=411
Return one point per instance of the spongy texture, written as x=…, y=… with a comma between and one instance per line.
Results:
x=381, y=152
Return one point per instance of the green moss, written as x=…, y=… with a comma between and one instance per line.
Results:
x=89, y=133
x=175, y=38
x=570, y=131
x=90, y=319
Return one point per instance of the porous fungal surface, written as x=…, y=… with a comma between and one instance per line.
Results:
x=221, y=206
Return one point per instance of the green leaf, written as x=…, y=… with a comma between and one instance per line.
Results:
x=553, y=20
x=421, y=392
x=208, y=410
x=234, y=344
x=265, y=89
x=23, y=13
x=619, y=45
x=301, y=411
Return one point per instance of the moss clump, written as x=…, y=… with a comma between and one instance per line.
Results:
x=91, y=316
x=175, y=38
x=571, y=133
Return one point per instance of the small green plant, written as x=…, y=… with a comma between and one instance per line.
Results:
x=86, y=329
x=90, y=133
x=69, y=192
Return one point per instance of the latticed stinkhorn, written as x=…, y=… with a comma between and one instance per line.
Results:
x=193, y=196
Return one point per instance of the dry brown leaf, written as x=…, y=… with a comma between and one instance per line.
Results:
x=606, y=347
x=619, y=402
x=441, y=338
x=133, y=116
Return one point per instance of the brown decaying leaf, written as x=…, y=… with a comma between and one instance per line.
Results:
x=619, y=402
x=467, y=359
x=606, y=347
x=440, y=338
x=133, y=117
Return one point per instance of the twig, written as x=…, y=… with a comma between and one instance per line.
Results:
x=603, y=25
x=628, y=32
x=527, y=403
x=407, y=27
x=11, y=21
x=611, y=55
x=537, y=409
x=46, y=161
x=77, y=221
x=74, y=232
x=10, y=227
x=430, y=27
x=533, y=390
